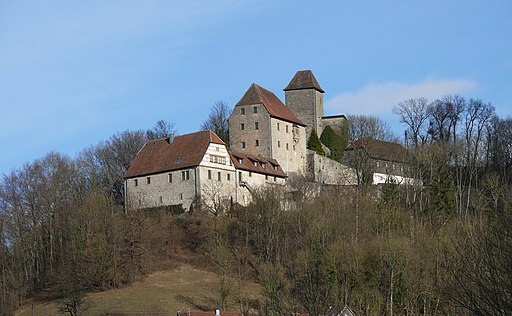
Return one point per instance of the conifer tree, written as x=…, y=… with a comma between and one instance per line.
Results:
x=315, y=144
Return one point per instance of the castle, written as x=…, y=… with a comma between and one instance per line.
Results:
x=267, y=148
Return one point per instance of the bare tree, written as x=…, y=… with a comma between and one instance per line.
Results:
x=413, y=113
x=360, y=126
x=217, y=120
x=161, y=129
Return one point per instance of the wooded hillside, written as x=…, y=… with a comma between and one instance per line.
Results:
x=443, y=248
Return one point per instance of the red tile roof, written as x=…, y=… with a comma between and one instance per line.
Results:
x=163, y=155
x=379, y=149
x=258, y=95
x=304, y=79
x=258, y=164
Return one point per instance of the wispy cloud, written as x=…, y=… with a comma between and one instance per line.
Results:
x=380, y=98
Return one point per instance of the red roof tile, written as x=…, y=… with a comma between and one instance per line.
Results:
x=161, y=155
x=256, y=95
x=379, y=149
x=257, y=164
x=304, y=79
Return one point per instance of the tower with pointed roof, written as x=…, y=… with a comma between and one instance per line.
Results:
x=260, y=124
x=305, y=98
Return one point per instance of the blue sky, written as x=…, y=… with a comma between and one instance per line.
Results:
x=72, y=73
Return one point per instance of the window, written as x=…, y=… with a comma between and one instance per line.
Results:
x=256, y=125
x=278, y=144
x=181, y=196
x=240, y=176
x=242, y=111
x=135, y=182
x=161, y=200
x=266, y=177
x=211, y=158
x=228, y=177
x=218, y=176
x=148, y=180
x=242, y=126
x=277, y=126
x=140, y=202
x=286, y=128
x=185, y=175
x=257, y=142
x=255, y=109
x=243, y=144
x=286, y=143
x=293, y=147
x=275, y=179
x=209, y=174
x=170, y=177
x=250, y=174
x=378, y=164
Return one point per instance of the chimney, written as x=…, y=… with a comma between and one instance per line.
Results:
x=169, y=139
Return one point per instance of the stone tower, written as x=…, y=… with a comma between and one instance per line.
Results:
x=305, y=98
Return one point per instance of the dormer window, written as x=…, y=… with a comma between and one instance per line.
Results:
x=255, y=163
x=179, y=160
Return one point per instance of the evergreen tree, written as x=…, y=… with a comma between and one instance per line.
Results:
x=334, y=142
x=315, y=144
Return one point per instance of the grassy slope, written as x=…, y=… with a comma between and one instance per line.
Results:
x=183, y=288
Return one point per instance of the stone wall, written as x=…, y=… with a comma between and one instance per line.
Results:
x=334, y=121
x=308, y=106
x=288, y=145
x=327, y=171
x=244, y=132
x=169, y=188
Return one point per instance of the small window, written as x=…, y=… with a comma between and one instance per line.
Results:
x=277, y=126
x=243, y=144
x=170, y=177
x=242, y=126
x=240, y=176
x=148, y=180
x=286, y=143
x=266, y=177
x=135, y=182
x=257, y=142
x=278, y=144
x=209, y=174
x=218, y=176
x=181, y=196
x=250, y=174
x=187, y=173
x=255, y=109
x=287, y=128
x=228, y=177
x=256, y=125
x=242, y=111
x=211, y=158
x=161, y=200
x=275, y=179
x=293, y=147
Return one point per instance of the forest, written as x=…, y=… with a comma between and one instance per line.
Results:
x=440, y=248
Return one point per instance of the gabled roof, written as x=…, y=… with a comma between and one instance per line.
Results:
x=304, y=79
x=257, y=164
x=379, y=149
x=164, y=154
x=258, y=95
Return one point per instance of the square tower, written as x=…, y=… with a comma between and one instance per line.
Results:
x=305, y=97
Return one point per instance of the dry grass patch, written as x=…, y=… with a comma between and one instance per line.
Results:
x=163, y=292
